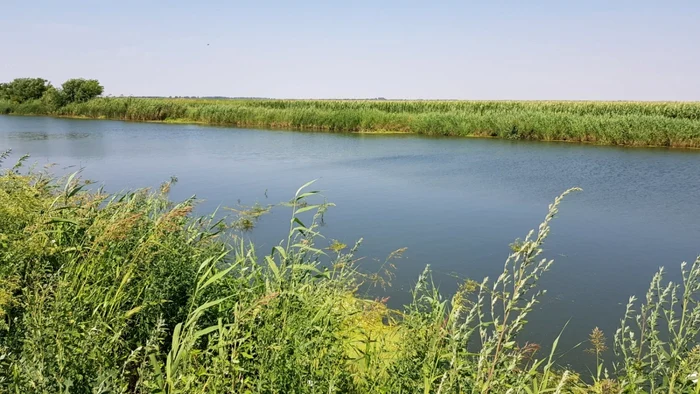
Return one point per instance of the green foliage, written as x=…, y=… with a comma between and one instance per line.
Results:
x=658, y=343
x=80, y=90
x=22, y=90
x=35, y=96
x=31, y=107
x=53, y=99
x=673, y=124
x=128, y=293
x=7, y=107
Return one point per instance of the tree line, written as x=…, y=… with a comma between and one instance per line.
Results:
x=76, y=90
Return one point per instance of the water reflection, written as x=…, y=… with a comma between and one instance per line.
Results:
x=40, y=136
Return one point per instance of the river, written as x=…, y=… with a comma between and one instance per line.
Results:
x=454, y=203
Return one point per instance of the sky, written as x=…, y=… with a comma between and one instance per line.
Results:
x=505, y=50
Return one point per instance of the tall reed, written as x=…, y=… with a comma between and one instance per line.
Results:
x=673, y=124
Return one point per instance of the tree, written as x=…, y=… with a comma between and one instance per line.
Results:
x=53, y=98
x=79, y=90
x=24, y=89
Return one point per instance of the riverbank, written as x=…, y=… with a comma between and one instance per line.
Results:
x=131, y=293
x=667, y=124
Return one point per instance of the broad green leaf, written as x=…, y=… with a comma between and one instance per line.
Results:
x=133, y=311
x=297, y=221
x=273, y=267
x=279, y=250
x=217, y=276
x=195, y=315
x=307, y=194
x=307, y=208
x=62, y=220
x=307, y=184
x=205, y=331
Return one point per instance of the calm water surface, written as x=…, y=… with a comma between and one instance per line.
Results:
x=454, y=203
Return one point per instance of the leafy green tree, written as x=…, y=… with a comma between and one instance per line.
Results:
x=53, y=98
x=79, y=90
x=21, y=90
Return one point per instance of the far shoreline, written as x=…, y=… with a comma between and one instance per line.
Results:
x=630, y=124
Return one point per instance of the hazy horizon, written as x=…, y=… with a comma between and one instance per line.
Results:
x=396, y=50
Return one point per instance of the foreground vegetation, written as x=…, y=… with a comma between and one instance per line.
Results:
x=671, y=124
x=129, y=293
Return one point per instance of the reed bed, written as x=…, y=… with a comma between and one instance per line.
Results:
x=669, y=124
x=129, y=293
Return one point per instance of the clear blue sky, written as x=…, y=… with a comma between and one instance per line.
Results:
x=610, y=49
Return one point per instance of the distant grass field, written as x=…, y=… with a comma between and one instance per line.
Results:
x=670, y=124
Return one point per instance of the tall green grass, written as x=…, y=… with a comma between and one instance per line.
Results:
x=128, y=293
x=673, y=124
